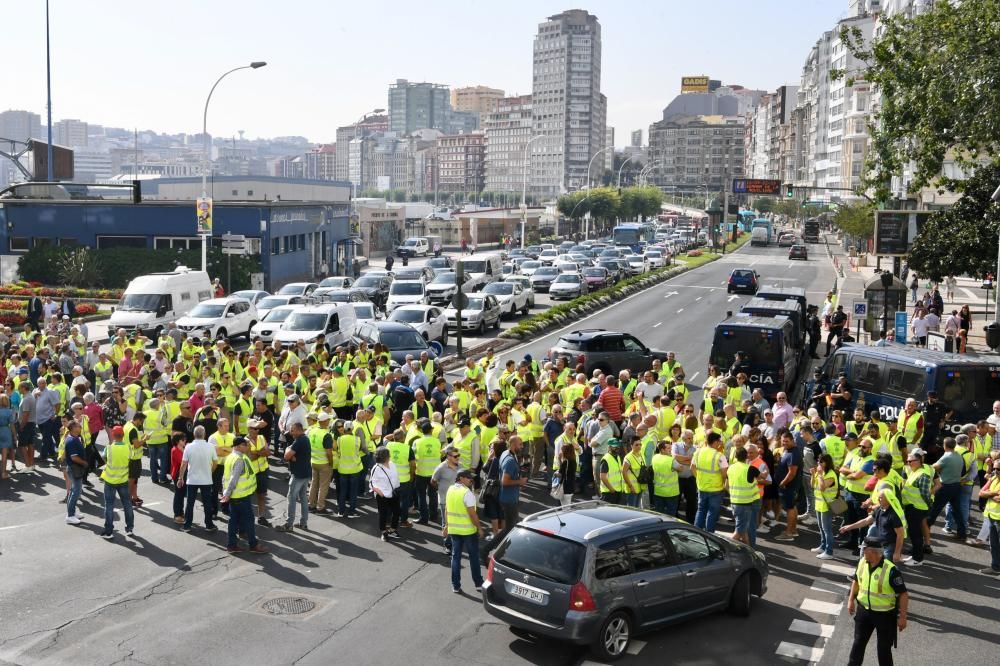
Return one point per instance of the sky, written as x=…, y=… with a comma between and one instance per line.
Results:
x=149, y=65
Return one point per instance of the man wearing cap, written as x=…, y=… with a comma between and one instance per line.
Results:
x=321, y=458
x=258, y=449
x=463, y=528
x=879, y=602
x=239, y=487
x=116, y=483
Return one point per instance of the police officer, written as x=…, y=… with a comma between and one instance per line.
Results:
x=880, y=600
x=815, y=330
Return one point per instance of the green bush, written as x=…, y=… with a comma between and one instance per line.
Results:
x=114, y=268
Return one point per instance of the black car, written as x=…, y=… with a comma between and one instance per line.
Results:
x=401, y=339
x=375, y=287
x=607, y=351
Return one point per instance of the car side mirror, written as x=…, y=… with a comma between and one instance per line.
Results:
x=230, y=314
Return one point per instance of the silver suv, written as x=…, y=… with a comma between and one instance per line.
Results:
x=596, y=574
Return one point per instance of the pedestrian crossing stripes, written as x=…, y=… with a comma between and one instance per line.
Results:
x=830, y=581
x=837, y=569
x=812, y=628
x=812, y=654
x=820, y=606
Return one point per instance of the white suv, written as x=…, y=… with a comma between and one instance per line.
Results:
x=219, y=318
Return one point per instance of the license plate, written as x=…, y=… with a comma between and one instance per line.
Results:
x=532, y=595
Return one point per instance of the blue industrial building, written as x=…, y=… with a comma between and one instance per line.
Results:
x=293, y=238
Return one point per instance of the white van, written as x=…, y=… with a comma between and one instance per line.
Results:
x=414, y=247
x=150, y=302
x=336, y=321
x=480, y=270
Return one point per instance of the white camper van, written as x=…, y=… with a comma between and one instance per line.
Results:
x=150, y=302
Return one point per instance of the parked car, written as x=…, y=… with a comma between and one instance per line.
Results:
x=597, y=277
x=375, y=286
x=608, y=351
x=335, y=321
x=271, y=322
x=510, y=295
x=252, y=295
x=364, y=311
x=297, y=289
x=428, y=320
x=401, y=339
x=542, y=278
x=567, y=285
x=798, y=252
x=336, y=282
x=220, y=318
x=743, y=279
x=596, y=574
x=481, y=311
x=414, y=247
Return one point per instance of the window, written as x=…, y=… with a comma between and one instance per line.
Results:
x=20, y=243
x=689, y=546
x=43, y=242
x=185, y=296
x=236, y=193
x=611, y=562
x=903, y=379
x=648, y=551
x=632, y=345
x=867, y=372
x=275, y=246
x=105, y=242
x=68, y=242
x=334, y=323
x=249, y=193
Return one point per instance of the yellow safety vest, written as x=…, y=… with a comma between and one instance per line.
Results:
x=224, y=443
x=741, y=491
x=969, y=458
x=246, y=409
x=133, y=452
x=459, y=521
x=837, y=449
x=615, y=483
x=536, y=427
x=350, y=455
x=706, y=467
x=116, y=457
x=822, y=495
x=159, y=432
x=635, y=463
x=665, y=483
x=464, y=446
x=992, y=510
x=247, y=484
x=911, y=493
x=486, y=436
x=907, y=426
x=665, y=418
x=378, y=401
x=259, y=464
x=316, y=436
x=427, y=450
x=874, y=592
x=399, y=453
x=857, y=486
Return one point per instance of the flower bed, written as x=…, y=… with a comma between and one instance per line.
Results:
x=28, y=289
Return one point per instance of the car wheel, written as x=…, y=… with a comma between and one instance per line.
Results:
x=496, y=324
x=614, y=637
x=739, y=600
x=252, y=324
x=481, y=330
x=527, y=307
x=729, y=290
x=221, y=335
x=444, y=337
x=513, y=312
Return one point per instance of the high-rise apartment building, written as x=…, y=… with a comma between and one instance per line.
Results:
x=507, y=132
x=609, y=155
x=20, y=125
x=461, y=158
x=70, y=132
x=368, y=125
x=477, y=99
x=414, y=106
x=697, y=153
x=568, y=109
x=636, y=139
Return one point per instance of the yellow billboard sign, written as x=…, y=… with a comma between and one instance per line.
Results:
x=204, y=208
x=694, y=84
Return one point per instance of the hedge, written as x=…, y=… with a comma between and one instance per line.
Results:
x=28, y=289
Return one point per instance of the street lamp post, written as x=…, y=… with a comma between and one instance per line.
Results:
x=524, y=188
x=995, y=197
x=590, y=186
x=207, y=157
x=48, y=86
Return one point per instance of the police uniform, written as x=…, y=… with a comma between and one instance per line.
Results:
x=879, y=588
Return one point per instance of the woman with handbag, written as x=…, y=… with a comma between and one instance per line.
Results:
x=384, y=482
x=825, y=491
x=567, y=473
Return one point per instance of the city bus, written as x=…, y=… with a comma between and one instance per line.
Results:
x=633, y=235
x=746, y=218
x=763, y=222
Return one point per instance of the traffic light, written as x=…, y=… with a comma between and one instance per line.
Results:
x=789, y=191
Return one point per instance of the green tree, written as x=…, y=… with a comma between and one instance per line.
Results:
x=573, y=205
x=963, y=239
x=856, y=219
x=604, y=202
x=939, y=78
x=764, y=204
x=81, y=267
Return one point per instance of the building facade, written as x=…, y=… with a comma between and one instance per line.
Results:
x=697, y=153
x=507, y=131
x=414, y=106
x=568, y=108
x=476, y=99
x=461, y=162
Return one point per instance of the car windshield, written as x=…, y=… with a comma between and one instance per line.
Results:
x=364, y=310
x=594, y=272
x=499, y=288
x=334, y=282
x=305, y=321
x=292, y=289
x=271, y=302
x=409, y=274
x=743, y=274
x=567, y=277
x=762, y=346
x=474, y=304
x=547, y=271
x=402, y=340
x=206, y=311
x=277, y=315
x=531, y=264
x=368, y=281
x=406, y=288
x=248, y=295
x=444, y=278
x=474, y=266
x=653, y=253
x=543, y=555
x=140, y=302
x=437, y=262
x=410, y=242
x=407, y=316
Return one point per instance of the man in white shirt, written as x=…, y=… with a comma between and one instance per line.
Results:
x=993, y=420
x=933, y=321
x=649, y=387
x=292, y=412
x=920, y=327
x=198, y=462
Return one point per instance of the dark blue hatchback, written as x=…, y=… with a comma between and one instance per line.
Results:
x=743, y=279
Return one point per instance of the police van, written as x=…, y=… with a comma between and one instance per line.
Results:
x=768, y=343
x=777, y=293
x=764, y=307
x=884, y=377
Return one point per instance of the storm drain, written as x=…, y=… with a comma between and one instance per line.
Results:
x=288, y=606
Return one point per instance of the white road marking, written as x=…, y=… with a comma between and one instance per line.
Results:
x=670, y=293
x=812, y=628
x=732, y=298
x=820, y=606
x=699, y=298
x=635, y=647
x=694, y=375
x=13, y=527
x=822, y=585
x=969, y=294
x=837, y=569
x=657, y=324
x=680, y=311
x=786, y=649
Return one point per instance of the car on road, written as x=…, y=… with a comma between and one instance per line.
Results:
x=548, y=257
x=613, y=267
x=364, y=311
x=428, y=320
x=335, y=321
x=414, y=247
x=511, y=296
x=337, y=295
x=525, y=283
x=533, y=251
x=542, y=278
x=655, y=258
x=480, y=312
x=413, y=273
x=798, y=252
x=597, y=574
x=597, y=277
x=252, y=295
x=607, y=351
x=567, y=285
x=268, y=303
x=401, y=339
x=442, y=288
x=297, y=289
x=405, y=292
x=440, y=264
x=220, y=318
x=786, y=240
x=529, y=267
x=271, y=322
x=375, y=286
x=637, y=264
x=743, y=279
x=336, y=282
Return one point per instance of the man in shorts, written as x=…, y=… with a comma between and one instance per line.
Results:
x=788, y=484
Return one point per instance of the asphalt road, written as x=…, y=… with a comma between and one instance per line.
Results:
x=164, y=597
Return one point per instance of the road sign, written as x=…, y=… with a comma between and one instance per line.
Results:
x=860, y=309
x=204, y=216
x=756, y=186
x=234, y=244
x=460, y=301
x=901, y=327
